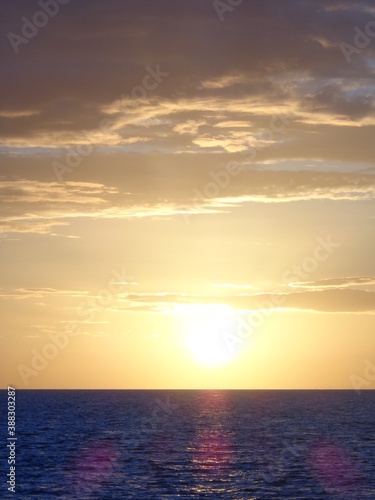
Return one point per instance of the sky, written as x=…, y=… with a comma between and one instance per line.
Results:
x=187, y=194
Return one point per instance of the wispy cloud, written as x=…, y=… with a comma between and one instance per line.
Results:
x=327, y=283
x=324, y=301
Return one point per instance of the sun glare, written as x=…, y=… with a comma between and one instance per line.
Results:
x=206, y=329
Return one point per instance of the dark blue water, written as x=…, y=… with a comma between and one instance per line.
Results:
x=193, y=444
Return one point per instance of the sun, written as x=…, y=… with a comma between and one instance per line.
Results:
x=205, y=342
x=209, y=330
x=206, y=338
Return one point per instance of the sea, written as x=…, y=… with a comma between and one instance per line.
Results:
x=155, y=444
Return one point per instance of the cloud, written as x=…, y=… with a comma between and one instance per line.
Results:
x=162, y=190
x=335, y=282
x=325, y=301
x=72, y=193
x=325, y=296
x=223, y=82
x=292, y=64
x=28, y=293
x=161, y=150
x=37, y=206
x=333, y=99
x=189, y=127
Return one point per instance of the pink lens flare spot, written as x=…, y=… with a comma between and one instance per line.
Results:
x=333, y=467
x=95, y=465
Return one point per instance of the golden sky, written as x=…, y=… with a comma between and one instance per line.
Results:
x=187, y=194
